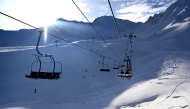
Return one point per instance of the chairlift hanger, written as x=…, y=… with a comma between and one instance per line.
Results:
x=44, y=74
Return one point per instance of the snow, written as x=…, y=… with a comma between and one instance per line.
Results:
x=161, y=65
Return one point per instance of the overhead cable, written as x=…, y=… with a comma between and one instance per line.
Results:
x=95, y=30
x=117, y=28
x=59, y=37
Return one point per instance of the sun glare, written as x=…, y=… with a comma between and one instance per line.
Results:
x=42, y=12
x=45, y=33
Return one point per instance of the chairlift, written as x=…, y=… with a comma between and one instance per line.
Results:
x=44, y=74
x=121, y=65
x=121, y=74
x=105, y=67
x=125, y=59
x=115, y=66
x=128, y=72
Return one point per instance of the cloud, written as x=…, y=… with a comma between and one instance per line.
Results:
x=84, y=6
x=161, y=3
x=122, y=5
x=104, y=10
x=141, y=10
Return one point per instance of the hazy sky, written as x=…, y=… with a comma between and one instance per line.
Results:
x=41, y=12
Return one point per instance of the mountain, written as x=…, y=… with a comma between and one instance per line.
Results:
x=160, y=64
x=176, y=14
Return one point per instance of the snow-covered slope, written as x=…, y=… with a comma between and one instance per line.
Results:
x=161, y=65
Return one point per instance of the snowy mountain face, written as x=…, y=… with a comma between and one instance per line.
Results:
x=161, y=64
x=176, y=14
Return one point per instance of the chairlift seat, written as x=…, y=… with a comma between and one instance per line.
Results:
x=127, y=75
x=124, y=75
x=105, y=70
x=43, y=75
x=121, y=74
x=115, y=67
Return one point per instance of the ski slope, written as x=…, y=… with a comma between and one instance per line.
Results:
x=161, y=65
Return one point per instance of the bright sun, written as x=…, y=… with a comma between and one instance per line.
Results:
x=40, y=12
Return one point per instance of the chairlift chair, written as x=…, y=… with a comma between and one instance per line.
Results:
x=125, y=59
x=44, y=74
x=105, y=67
x=128, y=72
x=121, y=64
x=121, y=74
x=115, y=66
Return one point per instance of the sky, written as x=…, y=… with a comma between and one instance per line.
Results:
x=43, y=12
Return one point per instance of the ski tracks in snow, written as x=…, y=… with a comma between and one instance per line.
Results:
x=169, y=69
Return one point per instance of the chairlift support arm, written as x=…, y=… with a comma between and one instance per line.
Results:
x=103, y=60
x=38, y=43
